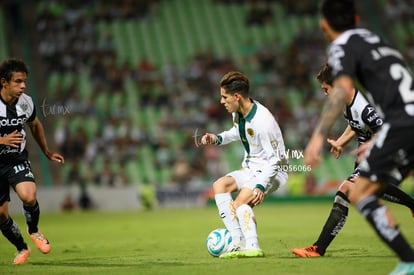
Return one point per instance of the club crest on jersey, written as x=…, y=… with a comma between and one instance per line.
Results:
x=24, y=107
x=355, y=115
x=250, y=132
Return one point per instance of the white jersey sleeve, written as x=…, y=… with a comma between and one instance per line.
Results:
x=230, y=135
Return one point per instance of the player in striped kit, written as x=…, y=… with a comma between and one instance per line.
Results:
x=262, y=169
x=361, y=56
x=363, y=123
x=16, y=110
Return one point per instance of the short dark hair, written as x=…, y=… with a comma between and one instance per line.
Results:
x=235, y=82
x=10, y=66
x=340, y=14
x=325, y=75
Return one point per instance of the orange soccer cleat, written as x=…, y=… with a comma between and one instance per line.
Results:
x=40, y=241
x=22, y=256
x=306, y=252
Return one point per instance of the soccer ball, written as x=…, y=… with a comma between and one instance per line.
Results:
x=218, y=241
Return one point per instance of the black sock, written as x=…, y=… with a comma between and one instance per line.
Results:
x=395, y=194
x=32, y=214
x=334, y=223
x=12, y=232
x=376, y=215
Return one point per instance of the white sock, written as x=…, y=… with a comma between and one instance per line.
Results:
x=225, y=207
x=248, y=226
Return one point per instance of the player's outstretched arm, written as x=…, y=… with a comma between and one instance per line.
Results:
x=343, y=140
x=209, y=138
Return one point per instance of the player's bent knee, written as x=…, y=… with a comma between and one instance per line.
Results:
x=29, y=200
x=224, y=185
x=346, y=187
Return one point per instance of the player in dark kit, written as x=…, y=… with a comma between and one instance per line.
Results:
x=381, y=71
x=17, y=109
x=363, y=123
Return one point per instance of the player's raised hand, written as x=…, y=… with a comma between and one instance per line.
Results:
x=336, y=148
x=209, y=139
x=14, y=139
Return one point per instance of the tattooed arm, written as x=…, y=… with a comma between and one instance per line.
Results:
x=342, y=91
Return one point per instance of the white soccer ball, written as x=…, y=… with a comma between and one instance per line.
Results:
x=218, y=241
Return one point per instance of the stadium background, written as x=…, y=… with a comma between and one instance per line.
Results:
x=121, y=87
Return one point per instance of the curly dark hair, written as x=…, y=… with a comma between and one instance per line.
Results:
x=325, y=75
x=235, y=82
x=10, y=66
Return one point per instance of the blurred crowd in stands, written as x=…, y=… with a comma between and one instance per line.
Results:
x=399, y=10
x=402, y=11
x=185, y=97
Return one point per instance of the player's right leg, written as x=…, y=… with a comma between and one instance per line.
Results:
x=8, y=227
x=224, y=201
x=11, y=231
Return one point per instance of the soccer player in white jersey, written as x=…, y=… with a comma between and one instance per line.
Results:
x=16, y=111
x=262, y=169
x=363, y=122
x=357, y=54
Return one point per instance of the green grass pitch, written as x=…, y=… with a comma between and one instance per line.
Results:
x=173, y=242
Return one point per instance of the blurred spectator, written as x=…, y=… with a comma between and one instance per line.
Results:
x=181, y=173
x=213, y=164
x=260, y=13
x=74, y=147
x=397, y=10
x=68, y=204
x=106, y=176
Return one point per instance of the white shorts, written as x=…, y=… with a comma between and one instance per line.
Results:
x=249, y=178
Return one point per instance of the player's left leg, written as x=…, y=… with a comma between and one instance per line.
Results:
x=248, y=226
x=247, y=223
x=364, y=197
x=392, y=153
x=27, y=193
x=333, y=225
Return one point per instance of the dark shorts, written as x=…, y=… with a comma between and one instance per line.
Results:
x=354, y=174
x=11, y=175
x=392, y=156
